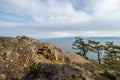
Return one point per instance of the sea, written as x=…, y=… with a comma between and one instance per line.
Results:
x=66, y=44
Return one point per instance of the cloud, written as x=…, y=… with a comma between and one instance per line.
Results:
x=59, y=18
x=107, y=7
x=98, y=33
x=42, y=35
x=51, y=11
x=51, y=34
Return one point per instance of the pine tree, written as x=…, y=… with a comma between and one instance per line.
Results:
x=112, y=55
x=96, y=47
x=80, y=44
x=112, y=51
x=108, y=50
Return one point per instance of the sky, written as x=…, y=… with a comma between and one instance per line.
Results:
x=60, y=18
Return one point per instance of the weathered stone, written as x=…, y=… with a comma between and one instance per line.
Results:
x=17, y=55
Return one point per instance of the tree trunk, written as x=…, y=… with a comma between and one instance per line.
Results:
x=115, y=57
x=99, y=60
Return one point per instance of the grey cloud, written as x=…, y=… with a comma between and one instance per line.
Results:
x=58, y=15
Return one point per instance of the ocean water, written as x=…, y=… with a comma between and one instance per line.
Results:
x=66, y=44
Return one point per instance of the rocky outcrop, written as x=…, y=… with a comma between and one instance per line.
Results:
x=54, y=72
x=24, y=58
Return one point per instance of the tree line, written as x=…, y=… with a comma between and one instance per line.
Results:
x=109, y=49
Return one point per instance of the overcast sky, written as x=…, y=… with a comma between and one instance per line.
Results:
x=59, y=18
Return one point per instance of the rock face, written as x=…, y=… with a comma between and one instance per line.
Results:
x=54, y=72
x=24, y=58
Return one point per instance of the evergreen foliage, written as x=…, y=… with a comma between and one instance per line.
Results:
x=96, y=47
x=111, y=51
x=112, y=55
x=80, y=44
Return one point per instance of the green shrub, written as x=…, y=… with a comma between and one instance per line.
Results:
x=102, y=78
x=35, y=67
x=112, y=64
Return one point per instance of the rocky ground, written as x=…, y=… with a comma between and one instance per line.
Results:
x=24, y=58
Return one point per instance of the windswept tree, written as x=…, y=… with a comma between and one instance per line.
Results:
x=96, y=47
x=108, y=50
x=112, y=55
x=80, y=44
x=112, y=51
x=116, y=52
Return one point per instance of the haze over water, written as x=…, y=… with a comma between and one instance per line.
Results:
x=66, y=44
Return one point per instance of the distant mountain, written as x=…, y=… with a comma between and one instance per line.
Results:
x=91, y=38
x=58, y=38
x=104, y=38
